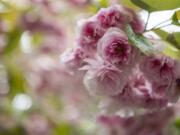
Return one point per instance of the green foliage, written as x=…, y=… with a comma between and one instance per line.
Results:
x=176, y=18
x=172, y=38
x=139, y=41
x=177, y=123
x=12, y=131
x=13, y=38
x=129, y=4
x=15, y=77
x=96, y=5
x=171, y=41
x=67, y=129
x=103, y=3
x=157, y=5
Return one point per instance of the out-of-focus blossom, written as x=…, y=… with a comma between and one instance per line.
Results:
x=152, y=123
x=47, y=6
x=4, y=89
x=36, y=124
x=38, y=24
x=53, y=44
x=53, y=35
x=73, y=59
x=2, y=42
x=79, y=2
x=44, y=75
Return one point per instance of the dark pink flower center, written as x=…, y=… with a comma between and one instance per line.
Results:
x=118, y=51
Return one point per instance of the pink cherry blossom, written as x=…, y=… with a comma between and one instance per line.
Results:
x=137, y=93
x=114, y=48
x=151, y=123
x=90, y=32
x=161, y=72
x=135, y=22
x=37, y=124
x=119, y=16
x=104, y=79
x=113, y=16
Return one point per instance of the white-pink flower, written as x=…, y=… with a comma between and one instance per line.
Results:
x=104, y=79
x=73, y=59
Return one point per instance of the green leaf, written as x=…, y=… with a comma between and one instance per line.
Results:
x=157, y=5
x=13, y=40
x=16, y=79
x=172, y=38
x=177, y=123
x=129, y=4
x=139, y=41
x=177, y=37
x=171, y=51
x=96, y=5
x=62, y=129
x=67, y=129
x=176, y=18
x=103, y=3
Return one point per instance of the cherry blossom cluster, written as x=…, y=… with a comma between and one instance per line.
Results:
x=114, y=68
x=124, y=78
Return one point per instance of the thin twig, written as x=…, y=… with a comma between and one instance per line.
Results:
x=147, y=20
x=157, y=27
x=161, y=23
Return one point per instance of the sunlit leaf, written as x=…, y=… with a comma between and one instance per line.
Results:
x=129, y=4
x=176, y=18
x=157, y=5
x=98, y=4
x=171, y=51
x=172, y=38
x=139, y=41
x=103, y=3
x=177, y=37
